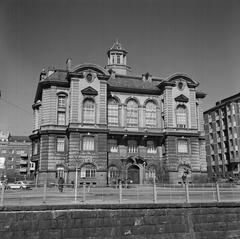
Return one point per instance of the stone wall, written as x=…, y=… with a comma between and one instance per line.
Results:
x=142, y=221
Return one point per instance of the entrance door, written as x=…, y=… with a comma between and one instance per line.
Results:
x=133, y=174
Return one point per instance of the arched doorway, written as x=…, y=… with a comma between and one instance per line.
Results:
x=133, y=174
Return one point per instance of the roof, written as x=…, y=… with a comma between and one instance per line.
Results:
x=223, y=102
x=133, y=84
x=19, y=138
x=58, y=77
x=117, y=46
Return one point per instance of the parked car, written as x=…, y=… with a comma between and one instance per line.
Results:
x=19, y=185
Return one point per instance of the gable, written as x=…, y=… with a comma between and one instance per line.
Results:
x=89, y=91
x=181, y=98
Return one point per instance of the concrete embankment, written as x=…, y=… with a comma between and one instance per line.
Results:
x=164, y=221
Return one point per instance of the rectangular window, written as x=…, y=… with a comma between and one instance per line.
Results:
x=88, y=171
x=151, y=148
x=61, y=118
x=118, y=59
x=88, y=143
x=112, y=144
x=150, y=118
x=182, y=146
x=60, y=144
x=35, y=147
x=113, y=114
x=89, y=112
x=62, y=102
x=132, y=146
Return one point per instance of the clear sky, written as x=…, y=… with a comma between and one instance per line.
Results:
x=197, y=37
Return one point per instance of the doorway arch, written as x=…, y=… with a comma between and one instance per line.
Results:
x=133, y=174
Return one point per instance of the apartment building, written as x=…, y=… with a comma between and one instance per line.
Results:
x=222, y=127
x=15, y=154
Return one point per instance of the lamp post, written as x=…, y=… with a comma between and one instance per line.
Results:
x=77, y=161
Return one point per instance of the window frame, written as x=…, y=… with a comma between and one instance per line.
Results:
x=60, y=146
x=89, y=172
x=86, y=116
x=151, y=149
x=112, y=143
x=113, y=107
x=84, y=138
x=60, y=121
x=132, y=121
x=179, y=145
x=151, y=111
x=181, y=117
x=132, y=148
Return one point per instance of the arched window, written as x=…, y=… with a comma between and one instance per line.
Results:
x=112, y=112
x=132, y=113
x=151, y=114
x=88, y=171
x=181, y=116
x=113, y=172
x=89, y=111
x=150, y=173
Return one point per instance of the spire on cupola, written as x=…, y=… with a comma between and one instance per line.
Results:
x=117, y=60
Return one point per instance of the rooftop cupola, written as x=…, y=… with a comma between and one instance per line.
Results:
x=117, y=60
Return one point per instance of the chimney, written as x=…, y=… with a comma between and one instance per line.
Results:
x=69, y=64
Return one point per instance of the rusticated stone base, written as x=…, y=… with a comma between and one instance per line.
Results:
x=141, y=221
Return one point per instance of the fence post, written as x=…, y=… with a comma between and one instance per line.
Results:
x=44, y=192
x=217, y=192
x=2, y=195
x=84, y=192
x=76, y=185
x=154, y=191
x=187, y=192
x=120, y=192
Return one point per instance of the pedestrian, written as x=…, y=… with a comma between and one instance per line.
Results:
x=60, y=184
x=72, y=183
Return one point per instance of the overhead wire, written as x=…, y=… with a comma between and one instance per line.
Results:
x=13, y=104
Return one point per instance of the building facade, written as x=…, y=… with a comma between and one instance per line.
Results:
x=15, y=154
x=108, y=125
x=222, y=127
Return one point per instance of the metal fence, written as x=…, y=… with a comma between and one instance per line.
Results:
x=122, y=193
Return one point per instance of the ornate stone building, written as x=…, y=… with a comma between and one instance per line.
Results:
x=110, y=125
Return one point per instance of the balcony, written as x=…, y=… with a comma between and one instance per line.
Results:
x=24, y=155
x=23, y=170
x=23, y=162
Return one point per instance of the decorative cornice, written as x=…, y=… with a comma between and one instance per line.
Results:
x=200, y=94
x=133, y=90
